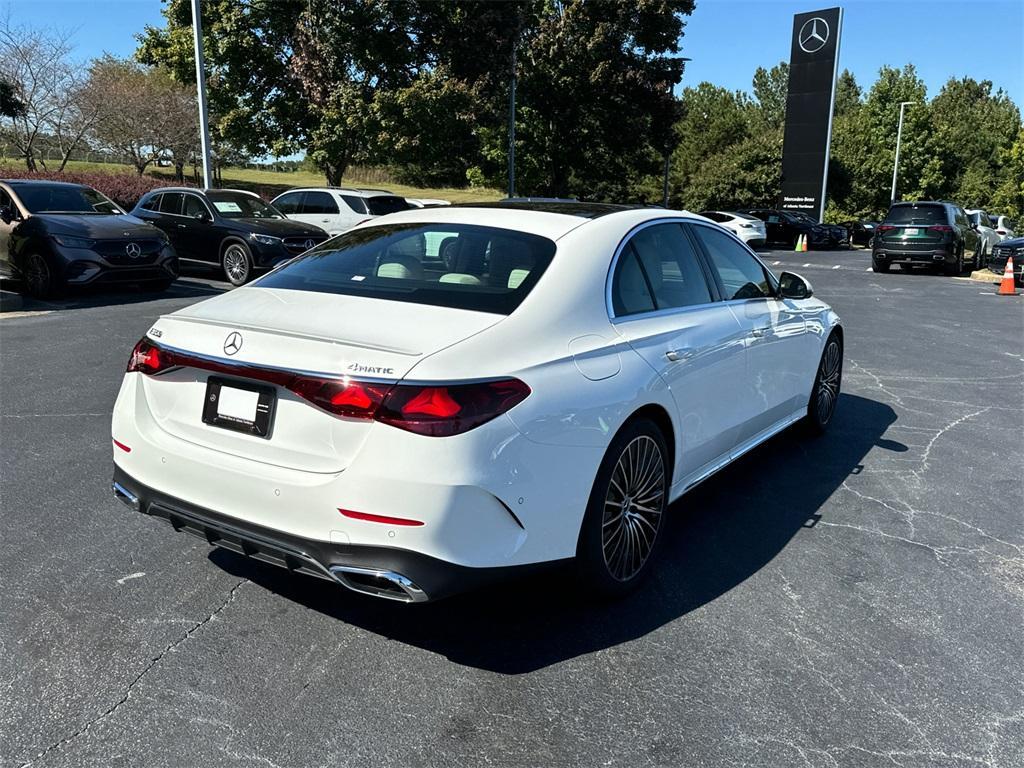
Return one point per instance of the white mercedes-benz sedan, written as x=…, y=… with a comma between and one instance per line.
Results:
x=442, y=396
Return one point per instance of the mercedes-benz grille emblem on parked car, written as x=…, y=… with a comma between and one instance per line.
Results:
x=133, y=250
x=813, y=35
x=309, y=244
x=233, y=343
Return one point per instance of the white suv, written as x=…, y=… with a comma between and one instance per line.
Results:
x=337, y=208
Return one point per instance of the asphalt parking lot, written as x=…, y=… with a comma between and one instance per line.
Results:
x=856, y=600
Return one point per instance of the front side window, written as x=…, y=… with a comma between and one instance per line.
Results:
x=289, y=203
x=65, y=198
x=152, y=204
x=194, y=206
x=236, y=205
x=319, y=203
x=463, y=266
x=741, y=275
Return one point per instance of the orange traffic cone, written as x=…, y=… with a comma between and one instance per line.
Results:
x=1006, y=287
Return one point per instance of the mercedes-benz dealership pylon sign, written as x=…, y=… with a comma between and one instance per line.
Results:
x=813, y=63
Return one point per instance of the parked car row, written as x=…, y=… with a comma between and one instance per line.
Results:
x=55, y=235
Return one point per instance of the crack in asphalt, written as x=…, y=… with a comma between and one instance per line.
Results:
x=57, y=745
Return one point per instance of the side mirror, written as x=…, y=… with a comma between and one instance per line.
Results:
x=7, y=215
x=203, y=216
x=792, y=286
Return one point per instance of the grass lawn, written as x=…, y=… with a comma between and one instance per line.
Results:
x=270, y=183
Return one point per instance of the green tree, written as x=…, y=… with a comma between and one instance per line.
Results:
x=771, y=87
x=10, y=104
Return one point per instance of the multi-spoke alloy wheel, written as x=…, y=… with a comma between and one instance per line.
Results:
x=37, y=277
x=827, y=383
x=236, y=264
x=633, y=508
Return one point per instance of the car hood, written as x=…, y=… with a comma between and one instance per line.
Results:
x=120, y=227
x=277, y=227
x=1016, y=242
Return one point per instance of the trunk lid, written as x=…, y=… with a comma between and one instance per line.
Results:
x=315, y=333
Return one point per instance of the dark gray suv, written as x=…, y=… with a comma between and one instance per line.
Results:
x=933, y=234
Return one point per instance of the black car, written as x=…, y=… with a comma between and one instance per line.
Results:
x=230, y=228
x=861, y=231
x=54, y=235
x=926, y=233
x=785, y=228
x=1008, y=249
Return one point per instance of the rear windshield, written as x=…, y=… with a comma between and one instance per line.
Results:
x=463, y=266
x=916, y=214
x=386, y=204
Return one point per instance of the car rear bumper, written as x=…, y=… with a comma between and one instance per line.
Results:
x=385, y=572
x=896, y=256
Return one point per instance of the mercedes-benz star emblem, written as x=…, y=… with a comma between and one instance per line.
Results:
x=309, y=244
x=233, y=343
x=133, y=250
x=813, y=35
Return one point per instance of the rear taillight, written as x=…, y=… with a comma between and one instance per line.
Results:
x=1000, y=231
x=437, y=410
x=885, y=228
x=940, y=228
x=147, y=357
x=440, y=411
x=342, y=397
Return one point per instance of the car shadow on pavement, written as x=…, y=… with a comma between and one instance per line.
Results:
x=11, y=300
x=720, y=534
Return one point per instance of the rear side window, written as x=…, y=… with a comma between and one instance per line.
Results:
x=171, y=203
x=357, y=204
x=670, y=267
x=384, y=204
x=319, y=203
x=289, y=203
x=463, y=266
x=926, y=213
x=153, y=204
x=741, y=275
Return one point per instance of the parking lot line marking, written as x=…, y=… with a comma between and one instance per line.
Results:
x=776, y=263
x=837, y=266
x=31, y=313
x=806, y=265
x=868, y=269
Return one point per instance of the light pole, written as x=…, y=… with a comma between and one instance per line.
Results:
x=204, y=122
x=668, y=148
x=899, y=137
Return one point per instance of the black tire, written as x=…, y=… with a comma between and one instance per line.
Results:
x=236, y=262
x=620, y=538
x=38, y=278
x=957, y=267
x=879, y=266
x=981, y=258
x=821, y=406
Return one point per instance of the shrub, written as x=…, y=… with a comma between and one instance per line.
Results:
x=125, y=189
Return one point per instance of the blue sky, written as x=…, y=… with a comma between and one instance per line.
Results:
x=727, y=39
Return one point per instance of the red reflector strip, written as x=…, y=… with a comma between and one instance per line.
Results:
x=122, y=446
x=378, y=518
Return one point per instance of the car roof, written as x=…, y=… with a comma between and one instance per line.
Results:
x=161, y=190
x=550, y=220
x=355, y=191
x=41, y=182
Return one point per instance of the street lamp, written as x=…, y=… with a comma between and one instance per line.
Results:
x=899, y=136
x=668, y=148
x=204, y=121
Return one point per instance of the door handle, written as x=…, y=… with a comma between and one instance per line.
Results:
x=759, y=332
x=677, y=355
x=182, y=226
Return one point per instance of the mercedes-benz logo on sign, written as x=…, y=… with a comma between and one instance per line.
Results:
x=233, y=343
x=133, y=250
x=813, y=35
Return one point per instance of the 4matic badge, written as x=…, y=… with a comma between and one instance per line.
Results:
x=360, y=368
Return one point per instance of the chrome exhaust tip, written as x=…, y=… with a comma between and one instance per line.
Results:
x=125, y=496
x=378, y=583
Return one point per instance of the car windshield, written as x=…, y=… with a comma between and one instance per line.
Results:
x=744, y=216
x=916, y=214
x=463, y=266
x=383, y=204
x=235, y=205
x=65, y=198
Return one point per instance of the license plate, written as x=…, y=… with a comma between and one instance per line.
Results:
x=911, y=231
x=239, y=406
